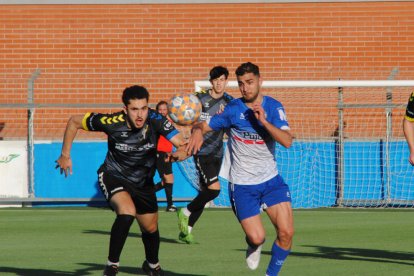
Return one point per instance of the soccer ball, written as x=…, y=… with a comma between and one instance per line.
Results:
x=184, y=109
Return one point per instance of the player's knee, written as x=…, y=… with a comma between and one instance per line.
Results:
x=125, y=210
x=285, y=235
x=150, y=229
x=255, y=239
x=169, y=178
x=214, y=186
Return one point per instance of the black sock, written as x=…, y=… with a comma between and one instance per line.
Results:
x=202, y=199
x=119, y=234
x=168, y=193
x=151, y=243
x=158, y=186
x=194, y=217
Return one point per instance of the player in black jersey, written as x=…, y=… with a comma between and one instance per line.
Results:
x=408, y=127
x=208, y=159
x=126, y=176
x=165, y=169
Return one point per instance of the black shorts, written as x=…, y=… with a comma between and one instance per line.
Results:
x=162, y=166
x=208, y=169
x=144, y=198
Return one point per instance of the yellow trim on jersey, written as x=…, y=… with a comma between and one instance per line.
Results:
x=202, y=91
x=84, y=126
x=409, y=118
x=112, y=119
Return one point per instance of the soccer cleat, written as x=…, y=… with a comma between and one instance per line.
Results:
x=171, y=208
x=152, y=271
x=189, y=239
x=253, y=256
x=110, y=270
x=182, y=222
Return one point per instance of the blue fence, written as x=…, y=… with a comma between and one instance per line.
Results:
x=310, y=169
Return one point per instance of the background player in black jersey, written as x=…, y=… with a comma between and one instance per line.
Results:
x=408, y=127
x=165, y=168
x=126, y=176
x=208, y=159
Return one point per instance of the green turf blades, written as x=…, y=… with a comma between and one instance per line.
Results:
x=329, y=241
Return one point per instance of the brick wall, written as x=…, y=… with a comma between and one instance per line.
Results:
x=89, y=53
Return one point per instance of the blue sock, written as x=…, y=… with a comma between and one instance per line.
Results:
x=279, y=256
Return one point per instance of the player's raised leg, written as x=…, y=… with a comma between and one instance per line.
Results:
x=255, y=237
x=245, y=202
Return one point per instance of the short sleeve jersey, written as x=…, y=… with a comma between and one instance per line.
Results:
x=409, y=112
x=131, y=152
x=250, y=155
x=213, y=141
x=164, y=145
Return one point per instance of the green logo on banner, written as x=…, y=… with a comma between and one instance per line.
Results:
x=9, y=158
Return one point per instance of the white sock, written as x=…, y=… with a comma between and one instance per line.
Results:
x=186, y=212
x=190, y=228
x=153, y=265
x=109, y=263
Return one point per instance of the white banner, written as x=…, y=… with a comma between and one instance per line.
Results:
x=13, y=170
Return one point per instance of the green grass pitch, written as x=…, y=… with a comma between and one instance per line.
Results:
x=74, y=241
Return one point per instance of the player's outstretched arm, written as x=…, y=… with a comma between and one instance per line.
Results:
x=408, y=128
x=64, y=162
x=196, y=139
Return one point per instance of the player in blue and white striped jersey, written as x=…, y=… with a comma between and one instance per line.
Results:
x=256, y=122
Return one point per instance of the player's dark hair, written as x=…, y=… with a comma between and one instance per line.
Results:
x=161, y=103
x=218, y=71
x=247, y=67
x=134, y=92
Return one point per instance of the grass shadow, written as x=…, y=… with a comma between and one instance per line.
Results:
x=134, y=235
x=89, y=269
x=358, y=254
x=353, y=254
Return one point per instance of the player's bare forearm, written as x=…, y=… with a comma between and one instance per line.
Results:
x=178, y=140
x=64, y=162
x=203, y=126
x=283, y=137
x=74, y=123
x=196, y=139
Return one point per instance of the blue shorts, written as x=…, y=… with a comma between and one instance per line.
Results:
x=246, y=200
